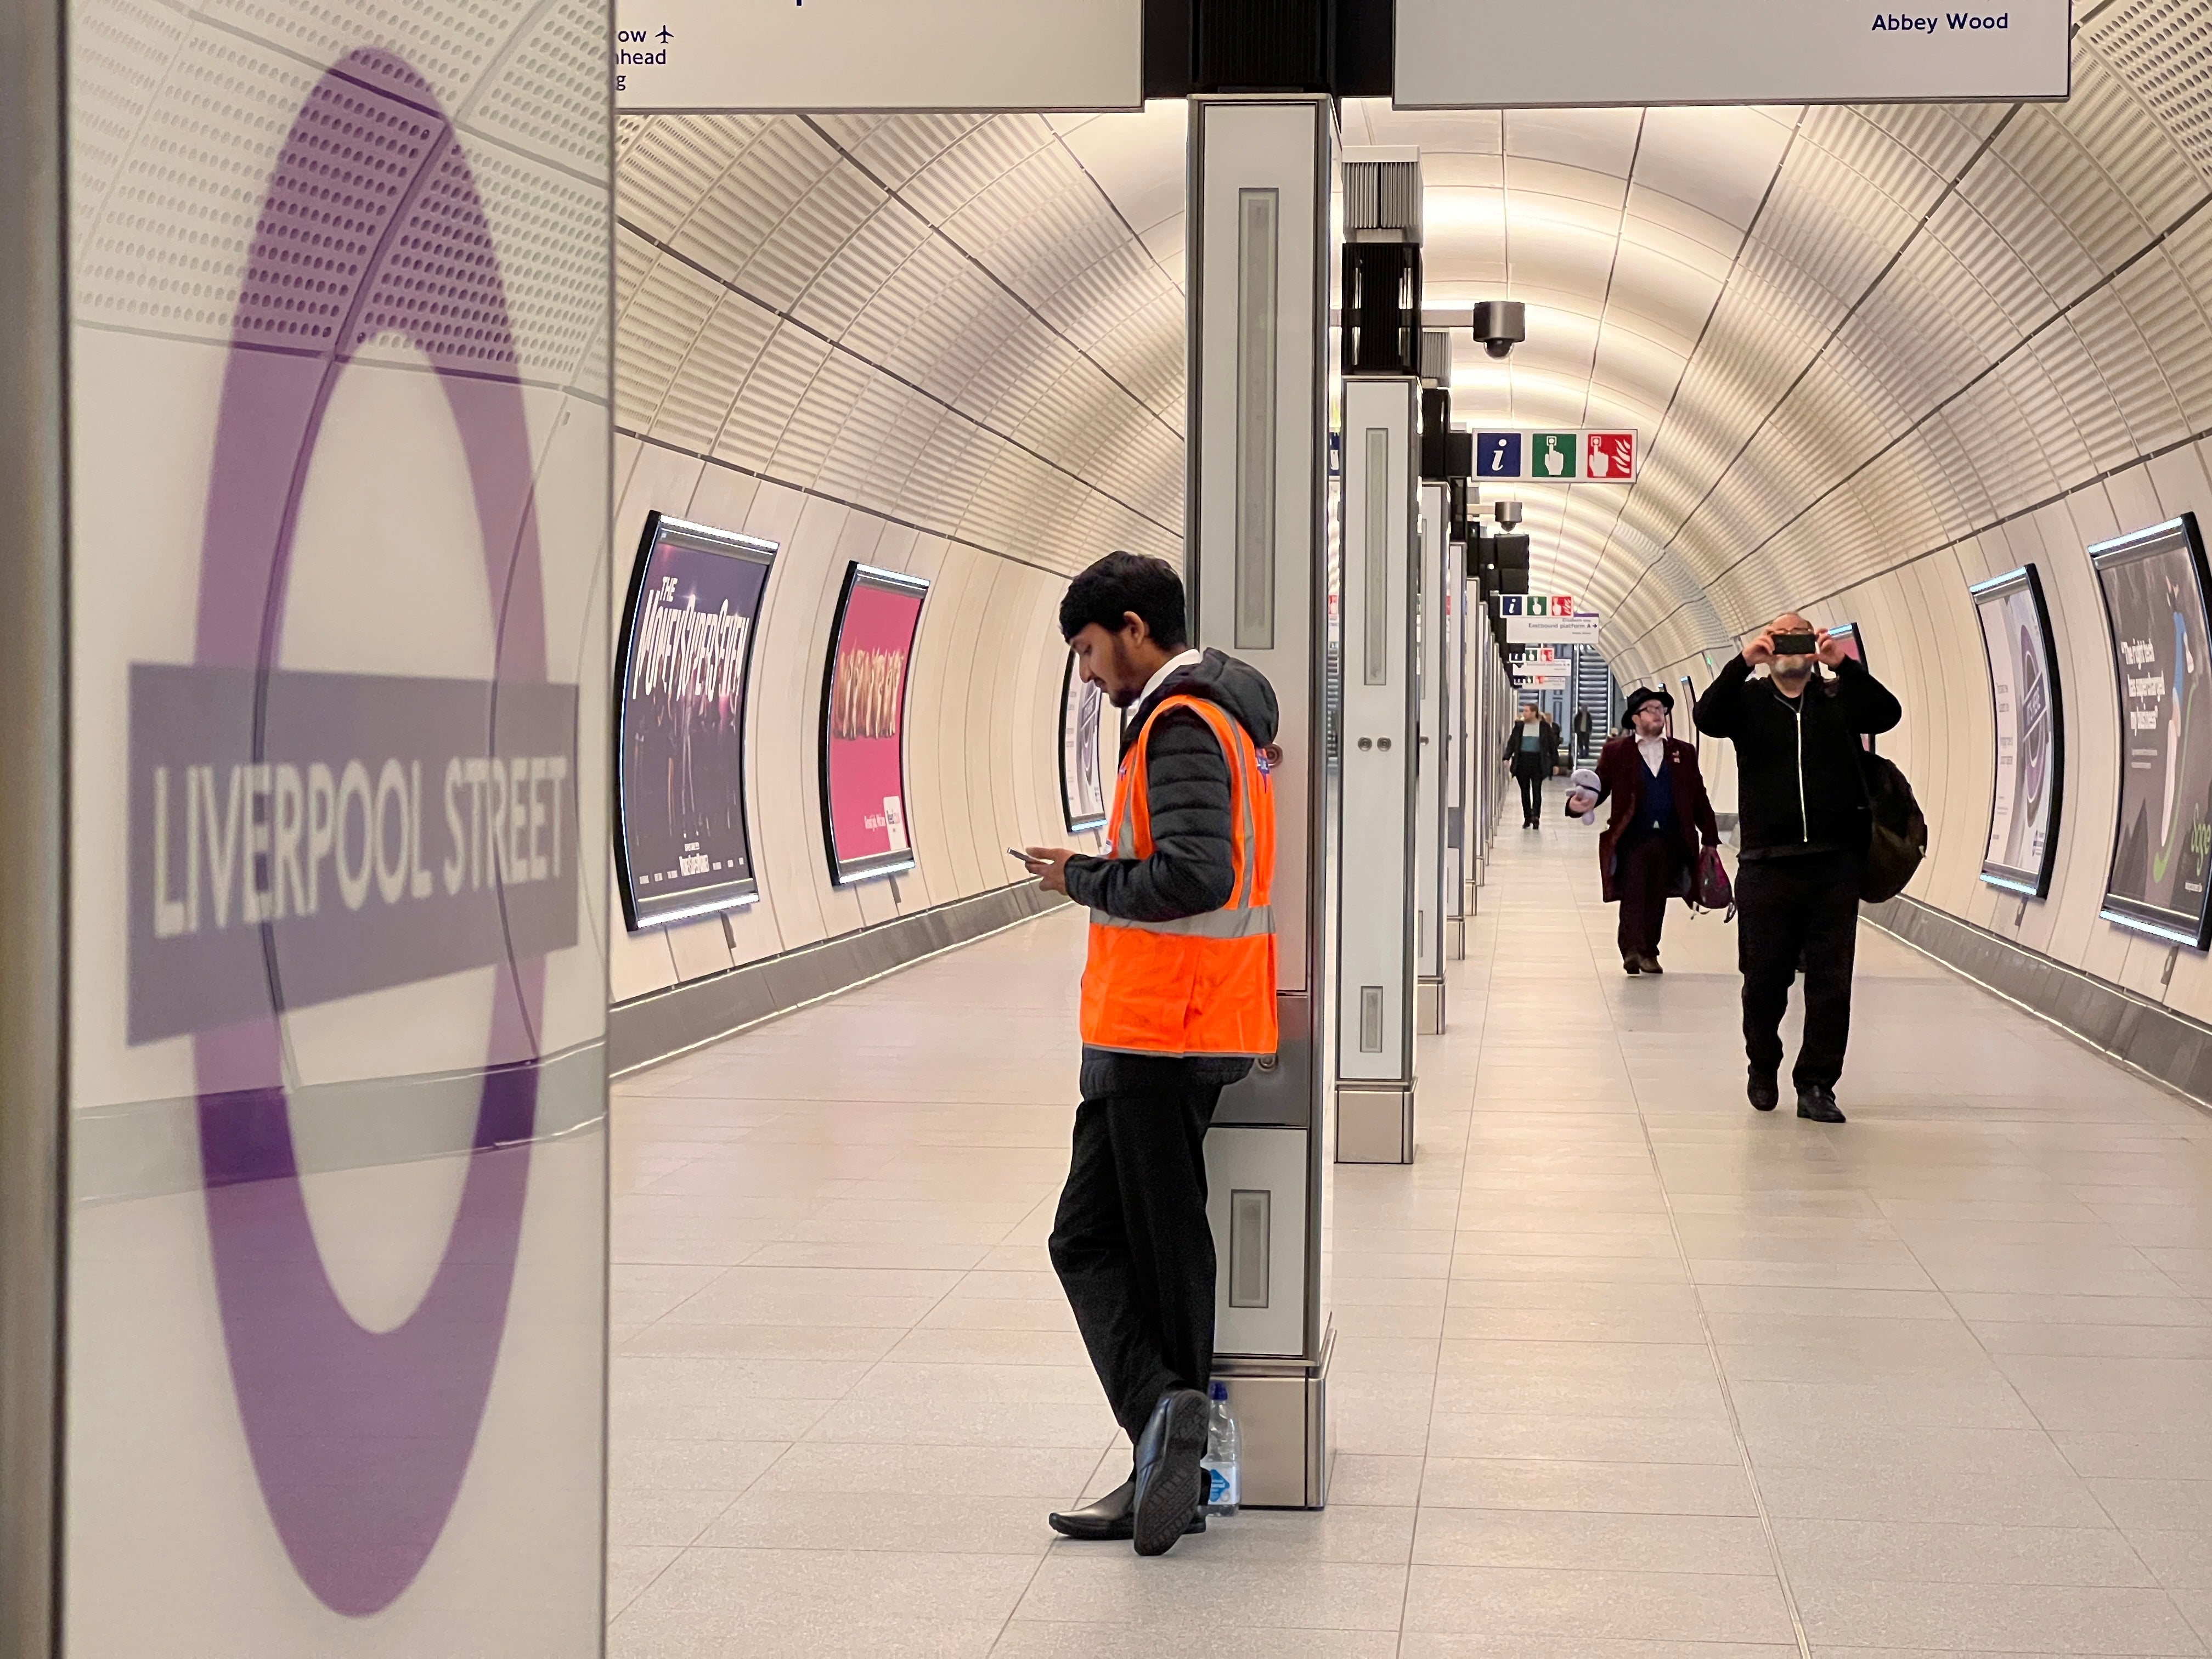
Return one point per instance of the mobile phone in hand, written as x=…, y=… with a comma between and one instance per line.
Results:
x=1795, y=644
x=1017, y=853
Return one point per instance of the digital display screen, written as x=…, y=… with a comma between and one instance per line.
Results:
x=681, y=844
x=1084, y=767
x=864, y=724
x=2153, y=584
x=2029, y=753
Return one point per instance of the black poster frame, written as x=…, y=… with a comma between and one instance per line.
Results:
x=875, y=866
x=2173, y=925
x=1089, y=821
x=698, y=903
x=1995, y=590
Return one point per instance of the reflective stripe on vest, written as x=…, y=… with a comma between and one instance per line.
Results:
x=1198, y=985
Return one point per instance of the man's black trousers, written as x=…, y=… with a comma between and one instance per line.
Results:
x=1532, y=796
x=1131, y=1244
x=1647, y=869
x=1803, y=908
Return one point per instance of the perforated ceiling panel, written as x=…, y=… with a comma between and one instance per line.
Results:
x=1848, y=336
x=943, y=319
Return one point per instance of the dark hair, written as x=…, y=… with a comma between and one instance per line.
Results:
x=1121, y=582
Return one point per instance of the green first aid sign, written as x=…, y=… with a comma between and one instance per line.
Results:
x=1551, y=454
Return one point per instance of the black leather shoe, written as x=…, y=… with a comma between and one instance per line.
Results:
x=1108, y=1520
x=1168, y=1481
x=1819, y=1105
x=1651, y=965
x=1631, y=966
x=1765, y=1093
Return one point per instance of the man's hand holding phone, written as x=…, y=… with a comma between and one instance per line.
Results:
x=1759, y=648
x=1048, y=864
x=1829, y=650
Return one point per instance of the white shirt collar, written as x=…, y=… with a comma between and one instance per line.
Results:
x=1654, y=751
x=1169, y=666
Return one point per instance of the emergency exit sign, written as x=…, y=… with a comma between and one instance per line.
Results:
x=1471, y=54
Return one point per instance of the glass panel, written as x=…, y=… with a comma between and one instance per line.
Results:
x=1250, y=1236
x=1370, y=1019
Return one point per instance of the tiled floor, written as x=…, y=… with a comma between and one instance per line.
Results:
x=1625, y=1372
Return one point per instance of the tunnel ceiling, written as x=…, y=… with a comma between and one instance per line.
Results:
x=1850, y=336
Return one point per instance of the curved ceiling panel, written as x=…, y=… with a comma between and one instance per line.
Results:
x=944, y=320
x=1851, y=337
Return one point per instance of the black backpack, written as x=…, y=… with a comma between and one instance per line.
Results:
x=1897, y=839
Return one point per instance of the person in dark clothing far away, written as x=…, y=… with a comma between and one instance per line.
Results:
x=1532, y=748
x=1178, y=1001
x=1661, y=817
x=1579, y=724
x=1802, y=827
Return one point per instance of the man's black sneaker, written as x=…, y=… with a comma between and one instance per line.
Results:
x=1819, y=1105
x=1765, y=1093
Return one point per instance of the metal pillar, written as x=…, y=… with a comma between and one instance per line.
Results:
x=32, y=816
x=1456, y=836
x=1430, y=797
x=1375, y=849
x=1261, y=169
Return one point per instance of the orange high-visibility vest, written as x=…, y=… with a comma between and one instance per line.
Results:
x=1204, y=984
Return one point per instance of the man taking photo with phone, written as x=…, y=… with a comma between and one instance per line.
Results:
x=1178, y=1001
x=1804, y=821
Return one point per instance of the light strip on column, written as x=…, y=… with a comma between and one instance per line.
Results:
x=1258, y=213
x=1376, y=565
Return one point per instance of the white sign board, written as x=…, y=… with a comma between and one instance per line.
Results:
x=967, y=55
x=1540, y=677
x=1580, y=628
x=1724, y=51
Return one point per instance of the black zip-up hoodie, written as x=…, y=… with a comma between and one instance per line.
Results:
x=1193, y=866
x=1798, y=784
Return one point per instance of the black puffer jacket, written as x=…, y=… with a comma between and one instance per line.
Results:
x=1798, y=783
x=1193, y=868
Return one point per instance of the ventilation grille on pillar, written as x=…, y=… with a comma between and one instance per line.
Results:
x=2162, y=50
x=1383, y=190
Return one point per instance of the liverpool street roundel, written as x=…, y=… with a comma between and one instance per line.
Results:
x=329, y=794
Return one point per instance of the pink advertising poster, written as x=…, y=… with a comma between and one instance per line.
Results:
x=864, y=724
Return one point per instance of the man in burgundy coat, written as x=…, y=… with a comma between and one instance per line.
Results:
x=1661, y=817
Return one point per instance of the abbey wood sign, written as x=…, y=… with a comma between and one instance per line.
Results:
x=1724, y=52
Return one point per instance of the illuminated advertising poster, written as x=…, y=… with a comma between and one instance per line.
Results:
x=686, y=652
x=341, y=775
x=1083, y=763
x=2030, y=752
x=2154, y=585
x=864, y=724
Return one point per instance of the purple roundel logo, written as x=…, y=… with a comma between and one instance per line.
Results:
x=303, y=836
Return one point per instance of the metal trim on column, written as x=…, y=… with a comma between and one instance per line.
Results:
x=1430, y=756
x=33, y=818
x=1270, y=498
x=1374, y=965
x=1458, y=830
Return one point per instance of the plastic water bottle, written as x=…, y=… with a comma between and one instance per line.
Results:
x=1220, y=1460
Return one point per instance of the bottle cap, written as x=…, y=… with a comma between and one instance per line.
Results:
x=1218, y=1390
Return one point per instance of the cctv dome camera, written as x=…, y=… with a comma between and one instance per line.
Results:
x=1501, y=325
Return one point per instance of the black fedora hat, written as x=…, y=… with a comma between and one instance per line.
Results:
x=1642, y=695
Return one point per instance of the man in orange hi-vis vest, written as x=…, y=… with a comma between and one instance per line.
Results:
x=1178, y=1000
